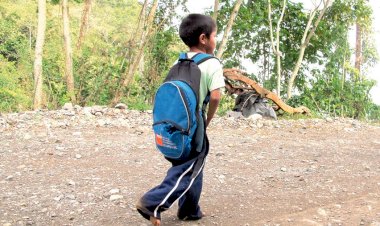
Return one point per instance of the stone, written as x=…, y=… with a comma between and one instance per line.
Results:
x=58, y=198
x=68, y=106
x=116, y=197
x=77, y=134
x=121, y=106
x=114, y=191
x=322, y=212
x=71, y=197
x=255, y=117
x=27, y=136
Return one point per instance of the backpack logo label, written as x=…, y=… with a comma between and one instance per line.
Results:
x=165, y=142
x=159, y=140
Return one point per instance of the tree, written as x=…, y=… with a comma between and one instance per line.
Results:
x=38, y=79
x=84, y=22
x=68, y=52
x=131, y=69
x=308, y=34
x=228, y=28
x=276, y=45
x=216, y=9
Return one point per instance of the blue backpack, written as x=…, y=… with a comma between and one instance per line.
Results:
x=176, y=114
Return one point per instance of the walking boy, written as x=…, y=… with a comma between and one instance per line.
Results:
x=183, y=181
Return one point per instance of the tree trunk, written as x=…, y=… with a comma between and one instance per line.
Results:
x=131, y=70
x=68, y=52
x=38, y=79
x=216, y=9
x=305, y=42
x=358, y=51
x=228, y=28
x=276, y=46
x=84, y=23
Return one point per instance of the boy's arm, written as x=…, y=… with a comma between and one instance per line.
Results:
x=215, y=96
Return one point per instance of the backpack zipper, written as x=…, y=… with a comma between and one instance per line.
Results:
x=184, y=101
x=186, y=104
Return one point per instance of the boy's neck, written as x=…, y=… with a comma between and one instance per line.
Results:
x=196, y=49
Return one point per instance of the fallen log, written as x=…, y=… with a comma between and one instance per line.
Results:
x=238, y=75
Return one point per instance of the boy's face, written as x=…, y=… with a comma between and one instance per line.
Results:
x=211, y=43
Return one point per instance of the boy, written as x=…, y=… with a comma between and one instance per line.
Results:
x=183, y=181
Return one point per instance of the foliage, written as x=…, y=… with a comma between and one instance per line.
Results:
x=15, y=82
x=160, y=54
x=13, y=98
x=326, y=82
x=328, y=98
x=226, y=104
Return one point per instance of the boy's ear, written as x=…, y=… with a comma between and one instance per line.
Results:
x=202, y=39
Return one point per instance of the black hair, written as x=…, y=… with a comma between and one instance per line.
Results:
x=193, y=25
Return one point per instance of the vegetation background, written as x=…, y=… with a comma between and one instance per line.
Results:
x=120, y=51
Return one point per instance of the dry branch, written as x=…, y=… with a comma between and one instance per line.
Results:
x=238, y=75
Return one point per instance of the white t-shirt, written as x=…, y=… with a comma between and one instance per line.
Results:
x=211, y=77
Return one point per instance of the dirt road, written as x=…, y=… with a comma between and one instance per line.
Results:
x=88, y=167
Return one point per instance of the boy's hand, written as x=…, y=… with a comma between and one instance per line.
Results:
x=215, y=96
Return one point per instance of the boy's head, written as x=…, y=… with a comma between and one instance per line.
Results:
x=197, y=30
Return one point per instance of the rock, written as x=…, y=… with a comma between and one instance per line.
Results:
x=27, y=136
x=322, y=212
x=58, y=198
x=77, y=134
x=259, y=124
x=87, y=111
x=97, y=110
x=255, y=117
x=59, y=148
x=114, y=191
x=219, y=154
x=268, y=123
x=221, y=178
x=44, y=210
x=116, y=197
x=9, y=178
x=349, y=129
x=77, y=108
x=71, y=197
x=283, y=169
x=78, y=156
x=68, y=106
x=121, y=106
x=234, y=115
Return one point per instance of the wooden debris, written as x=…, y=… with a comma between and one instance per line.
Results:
x=238, y=75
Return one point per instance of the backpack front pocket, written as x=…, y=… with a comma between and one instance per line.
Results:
x=171, y=141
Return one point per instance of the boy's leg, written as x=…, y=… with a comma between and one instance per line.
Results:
x=177, y=182
x=188, y=204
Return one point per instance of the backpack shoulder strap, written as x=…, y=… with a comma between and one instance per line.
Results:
x=183, y=56
x=202, y=57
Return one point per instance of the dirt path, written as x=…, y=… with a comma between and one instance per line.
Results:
x=73, y=168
